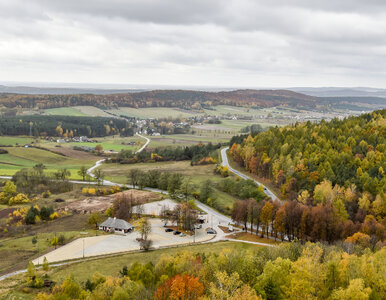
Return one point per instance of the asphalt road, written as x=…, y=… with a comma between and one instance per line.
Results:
x=225, y=162
x=214, y=218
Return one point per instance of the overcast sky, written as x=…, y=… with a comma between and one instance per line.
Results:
x=234, y=43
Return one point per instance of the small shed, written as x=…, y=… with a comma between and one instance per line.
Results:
x=116, y=225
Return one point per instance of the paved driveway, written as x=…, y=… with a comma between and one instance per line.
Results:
x=114, y=243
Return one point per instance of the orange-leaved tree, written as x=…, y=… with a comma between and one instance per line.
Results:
x=179, y=288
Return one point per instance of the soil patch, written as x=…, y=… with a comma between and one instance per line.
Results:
x=75, y=153
x=100, y=204
x=5, y=212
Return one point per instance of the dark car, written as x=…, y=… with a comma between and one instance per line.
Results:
x=177, y=232
x=211, y=231
x=168, y=230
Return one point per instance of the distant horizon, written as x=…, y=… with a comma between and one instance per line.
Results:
x=112, y=86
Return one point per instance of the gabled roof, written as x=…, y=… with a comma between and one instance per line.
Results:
x=116, y=223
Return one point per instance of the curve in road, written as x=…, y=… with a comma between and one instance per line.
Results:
x=99, y=162
x=225, y=162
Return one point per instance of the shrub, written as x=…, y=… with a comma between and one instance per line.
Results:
x=61, y=239
x=18, y=199
x=54, y=215
x=46, y=194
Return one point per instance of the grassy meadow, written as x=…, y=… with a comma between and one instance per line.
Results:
x=65, y=111
x=19, y=157
x=113, y=143
x=197, y=174
x=153, y=112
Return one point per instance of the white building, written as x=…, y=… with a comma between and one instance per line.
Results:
x=116, y=225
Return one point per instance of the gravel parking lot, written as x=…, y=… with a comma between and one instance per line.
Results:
x=154, y=208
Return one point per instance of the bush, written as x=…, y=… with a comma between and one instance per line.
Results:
x=3, y=151
x=46, y=194
x=46, y=212
x=18, y=199
x=145, y=244
x=61, y=239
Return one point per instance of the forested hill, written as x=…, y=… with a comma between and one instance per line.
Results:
x=341, y=162
x=191, y=100
x=164, y=98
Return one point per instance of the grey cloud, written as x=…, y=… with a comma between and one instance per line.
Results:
x=192, y=42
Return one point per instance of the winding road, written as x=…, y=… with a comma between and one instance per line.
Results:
x=225, y=162
x=99, y=163
x=214, y=218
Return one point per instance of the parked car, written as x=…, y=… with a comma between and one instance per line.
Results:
x=177, y=232
x=168, y=230
x=211, y=231
x=199, y=226
x=182, y=234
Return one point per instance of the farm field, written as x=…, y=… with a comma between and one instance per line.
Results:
x=185, y=140
x=153, y=112
x=65, y=111
x=118, y=172
x=108, y=143
x=20, y=157
x=92, y=111
x=229, y=127
x=78, y=111
x=15, y=140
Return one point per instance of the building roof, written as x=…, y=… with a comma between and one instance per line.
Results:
x=116, y=223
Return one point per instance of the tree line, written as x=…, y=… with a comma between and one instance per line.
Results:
x=64, y=126
x=289, y=271
x=197, y=154
x=297, y=221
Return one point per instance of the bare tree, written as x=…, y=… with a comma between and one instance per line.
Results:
x=123, y=206
x=165, y=214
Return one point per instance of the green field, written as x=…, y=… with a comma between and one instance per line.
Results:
x=119, y=172
x=197, y=174
x=20, y=157
x=15, y=140
x=77, y=111
x=108, y=143
x=92, y=111
x=65, y=111
x=153, y=112
x=186, y=139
